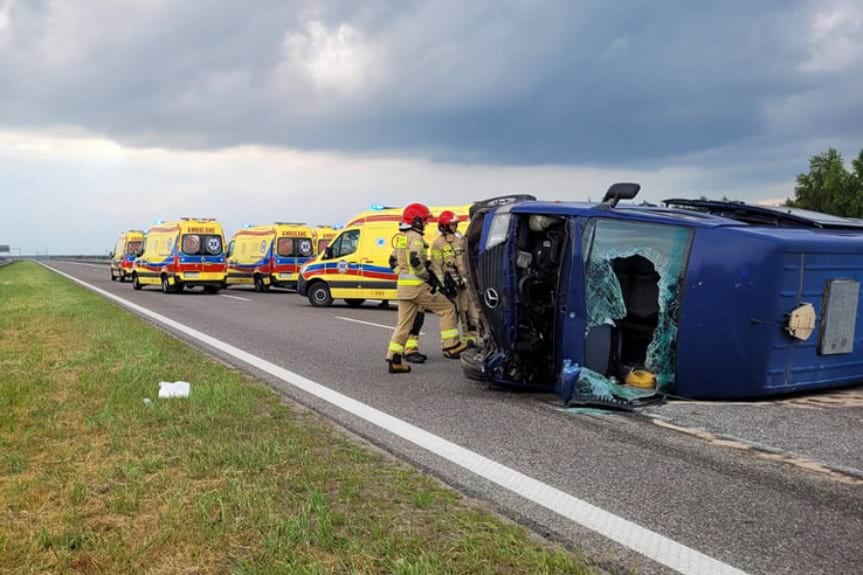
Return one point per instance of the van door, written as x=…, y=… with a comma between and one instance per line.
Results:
x=378, y=279
x=343, y=266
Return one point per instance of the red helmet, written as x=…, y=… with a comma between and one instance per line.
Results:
x=446, y=219
x=416, y=215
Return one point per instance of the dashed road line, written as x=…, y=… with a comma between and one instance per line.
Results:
x=235, y=297
x=651, y=544
x=371, y=323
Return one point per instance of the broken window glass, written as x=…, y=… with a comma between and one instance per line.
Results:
x=633, y=277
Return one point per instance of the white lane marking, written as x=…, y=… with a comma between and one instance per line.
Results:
x=657, y=547
x=235, y=297
x=389, y=327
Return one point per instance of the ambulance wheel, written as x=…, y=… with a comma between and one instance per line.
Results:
x=355, y=302
x=135, y=283
x=122, y=277
x=113, y=277
x=211, y=289
x=167, y=287
x=259, y=284
x=320, y=296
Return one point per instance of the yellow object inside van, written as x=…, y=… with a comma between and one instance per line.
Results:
x=270, y=255
x=181, y=254
x=355, y=265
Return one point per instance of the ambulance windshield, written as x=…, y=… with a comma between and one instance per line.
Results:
x=132, y=247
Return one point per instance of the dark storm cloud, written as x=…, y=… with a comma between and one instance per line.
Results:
x=616, y=82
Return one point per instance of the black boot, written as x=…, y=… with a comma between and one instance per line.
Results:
x=454, y=352
x=415, y=357
x=395, y=365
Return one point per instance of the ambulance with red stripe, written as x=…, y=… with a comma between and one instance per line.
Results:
x=123, y=255
x=269, y=256
x=355, y=265
x=323, y=235
x=184, y=253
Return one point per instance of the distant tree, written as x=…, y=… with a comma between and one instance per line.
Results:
x=829, y=187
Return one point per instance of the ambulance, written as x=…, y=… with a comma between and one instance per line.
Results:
x=123, y=255
x=269, y=256
x=184, y=253
x=355, y=265
x=323, y=235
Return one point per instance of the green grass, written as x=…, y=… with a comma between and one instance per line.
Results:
x=229, y=480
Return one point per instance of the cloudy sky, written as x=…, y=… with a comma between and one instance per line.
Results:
x=115, y=113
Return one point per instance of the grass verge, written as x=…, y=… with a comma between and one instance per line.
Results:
x=229, y=480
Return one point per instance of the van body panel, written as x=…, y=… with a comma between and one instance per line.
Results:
x=711, y=319
x=166, y=252
x=359, y=266
x=123, y=254
x=273, y=253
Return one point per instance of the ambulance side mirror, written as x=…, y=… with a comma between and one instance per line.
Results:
x=139, y=253
x=111, y=254
x=328, y=253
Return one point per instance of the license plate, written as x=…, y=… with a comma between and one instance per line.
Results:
x=192, y=274
x=285, y=275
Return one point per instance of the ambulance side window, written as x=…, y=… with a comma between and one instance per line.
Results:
x=304, y=247
x=346, y=244
x=285, y=247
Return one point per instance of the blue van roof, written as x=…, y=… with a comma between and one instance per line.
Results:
x=645, y=213
x=808, y=224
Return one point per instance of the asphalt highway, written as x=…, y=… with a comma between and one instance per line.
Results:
x=759, y=515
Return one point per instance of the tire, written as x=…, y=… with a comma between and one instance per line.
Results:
x=136, y=285
x=122, y=277
x=355, y=302
x=320, y=296
x=259, y=284
x=212, y=289
x=166, y=287
x=113, y=277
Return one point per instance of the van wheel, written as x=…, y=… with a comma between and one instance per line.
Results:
x=355, y=302
x=122, y=277
x=259, y=284
x=211, y=289
x=135, y=283
x=320, y=296
x=113, y=277
x=166, y=287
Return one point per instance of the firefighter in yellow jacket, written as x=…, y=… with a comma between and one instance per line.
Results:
x=447, y=263
x=415, y=292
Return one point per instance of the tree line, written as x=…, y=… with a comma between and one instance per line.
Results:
x=830, y=187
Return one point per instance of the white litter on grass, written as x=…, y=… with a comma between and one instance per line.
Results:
x=148, y=402
x=168, y=389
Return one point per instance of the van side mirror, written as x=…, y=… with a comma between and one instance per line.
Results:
x=620, y=191
x=111, y=254
x=139, y=253
x=328, y=253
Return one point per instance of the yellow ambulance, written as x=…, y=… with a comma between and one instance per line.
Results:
x=355, y=265
x=123, y=255
x=323, y=235
x=184, y=253
x=271, y=255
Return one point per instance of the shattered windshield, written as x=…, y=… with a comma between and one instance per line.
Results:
x=633, y=278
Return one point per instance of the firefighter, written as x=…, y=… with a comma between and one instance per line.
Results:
x=447, y=263
x=415, y=292
x=412, y=346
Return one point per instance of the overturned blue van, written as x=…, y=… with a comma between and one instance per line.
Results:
x=714, y=300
